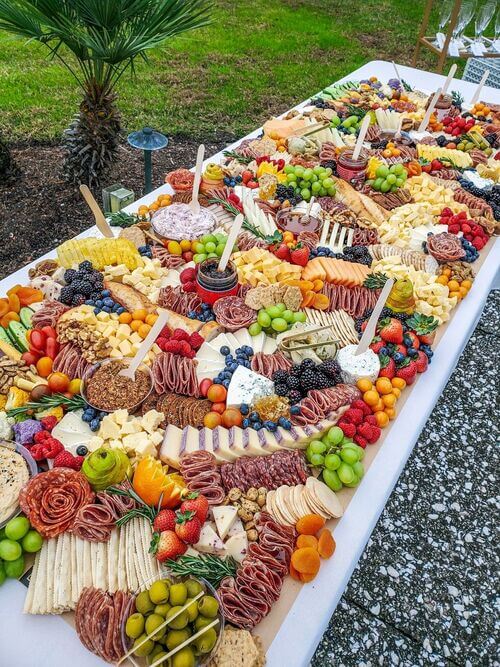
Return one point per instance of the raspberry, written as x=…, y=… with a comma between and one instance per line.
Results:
x=166, y=332
x=353, y=415
x=359, y=440
x=189, y=286
x=454, y=229
x=48, y=423
x=180, y=334
x=185, y=348
x=78, y=462
x=161, y=342
x=447, y=212
x=188, y=275
x=173, y=346
x=65, y=459
x=196, y=340
x=361, y=405
x=371, y=419
x=348, y=429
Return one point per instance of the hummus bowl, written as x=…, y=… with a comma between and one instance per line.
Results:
x=16, y=467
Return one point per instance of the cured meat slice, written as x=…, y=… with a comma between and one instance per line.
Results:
x=232, y=313
x=200, y=471
x=52, y=499
x=94, y=523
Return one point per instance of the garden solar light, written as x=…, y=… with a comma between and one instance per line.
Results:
x=148, y=140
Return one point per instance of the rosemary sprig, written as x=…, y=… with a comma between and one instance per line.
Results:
x=407, y=86
x=236, y=156
x=122, y=219
x=208, y=566
x=143, y=510
x=49, y=401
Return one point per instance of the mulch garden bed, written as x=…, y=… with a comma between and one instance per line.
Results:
x=39, y=210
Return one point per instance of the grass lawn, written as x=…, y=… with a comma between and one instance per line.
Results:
x=257, y=59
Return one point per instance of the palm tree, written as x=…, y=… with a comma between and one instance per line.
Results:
x=105, y=37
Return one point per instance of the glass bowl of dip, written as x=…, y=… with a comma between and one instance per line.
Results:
x=7, y=449
x=177, y=222
x=134, y=392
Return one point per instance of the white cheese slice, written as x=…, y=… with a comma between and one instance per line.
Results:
x=170, y=449
x=243, y=337
x=246, y=386
x=224, y=516
x=71, y=431
x=209, y=542
x=236, y=528
x=270, y=345
x=237, y=546
x=258, y=342
x=208, y=353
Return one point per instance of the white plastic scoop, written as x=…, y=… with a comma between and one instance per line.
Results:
x=369, y=332
x=430, y=109
x=228, y=249
x=146, y=345
x=100, y=220
x=450, y=76
x=194, y=203
x=479, y=88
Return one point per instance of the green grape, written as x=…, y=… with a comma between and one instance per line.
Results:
x=287, y=315
x=331, y=479
x=291, y=178
x=377, y=184
x=393, y=188
x=327, y=182
x=399, y=169
x=10, y=550
x=318, y=169
x=211, y=254
x=3, y=576
x=322, y=192
x=353, y=130
x=382, y=171
x=305, y=194
x=399, y=181
x=254, y=329
x=200, y=248
x=289, y=169
x=314, y=178
x=335, y=435
x=210, y=246
x=317, y=447
x=346, y=473
x=317, y=460
x=32, y=542
x=332, y=461
x=264, y=319
x=328, y=171
x=358, y=469
x=208, y=238
x=304, y=184
x=279, y=324
x=299, y=317
x=15, y=568
x=299, y=170
x=331, y=191
x=221, y=238
x=335, y=121
x=309, y=453
x=354, y=483
x=199, y=258
x=385, y=187
x=392, y=169
x=315, y=187
x=391, y=179
x=281, y=307
x=17, y=528
x=349, y=455
x=307, y=174
x=220, y=249
x=273, y=311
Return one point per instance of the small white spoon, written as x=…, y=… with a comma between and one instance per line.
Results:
x=194, y=203
x=145, y=346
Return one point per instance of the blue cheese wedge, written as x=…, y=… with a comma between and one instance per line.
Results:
x=247, y=386
x=353, y=368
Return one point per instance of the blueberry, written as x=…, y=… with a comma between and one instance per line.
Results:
x=99, y=303
x=295, y=410
x=257, y=426
x=217, y=381
x=248, y=350
x=254, y=416
x=429, y=353
x=105, y=292
x=106, y=309
x=239, y=350
x=224, y=350
x=94, y=425
x=97, y=310
x=228, y=358
x=246, y=423
x=270, y=425
x=108, y=302
x=81, y=450
x=192, y=314
x=407, y=341
x=247, y=364
x=117, y=308
x=412, y=352
x=383, y=350
x=398, y=357
x=233, y=366
x=244, y=409
x=287, y=424
x=101, y=414
x=228, y=375
x=87, y=418
x=205, y=306
x=89, y=302
x=225, y=383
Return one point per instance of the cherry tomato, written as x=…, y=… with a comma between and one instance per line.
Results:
x=38, y=339
x=50, y=332
x=217, y=393
x=218, y=407
x=44, y=367
x=231, y=417
x=51, y=347
x=30, y=357
x=205, y=386
x=74, y=386
x=58, y=382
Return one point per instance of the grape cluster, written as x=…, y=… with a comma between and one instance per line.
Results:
x=304, y=377
x=287, y=193
x=307, y=182
x=82, y=284
x=339, y=458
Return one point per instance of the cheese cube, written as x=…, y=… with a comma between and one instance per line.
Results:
x=125, y=347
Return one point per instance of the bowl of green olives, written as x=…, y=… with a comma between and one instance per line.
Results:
x=177, y=619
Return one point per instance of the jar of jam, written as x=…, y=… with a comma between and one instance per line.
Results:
x=212, y=284
x=352, y=171
x=443, y=106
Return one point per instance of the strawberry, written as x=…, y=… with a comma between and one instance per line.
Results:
x=164, y=520
x=421, y=362
x=413, y=338
x=376, y=344
x=246, y=176
x=197, y=503
x=427, y=339
x=282, y=251
x=387, y=367
x=407, y=371
x=401, y=349
x=391, y=330
x=187, y=527
x=167, y=545
x=299, y=255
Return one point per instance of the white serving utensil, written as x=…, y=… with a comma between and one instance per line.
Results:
x=146, y=345
x=430, y=109
x=369, y=332
x=361, y=137
x=100, y=219
x=228, y=249
x=194, y=204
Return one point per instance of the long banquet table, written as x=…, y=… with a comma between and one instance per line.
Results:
x=292, y=632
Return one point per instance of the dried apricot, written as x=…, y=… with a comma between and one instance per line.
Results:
x=29, y=295
x=306, y=578
x=321, y=302
x=294, y=574
x=10, y=317
x=318, y=285
x=306, y=541
x=326, y=544
x=308, y=299
x=309, y=524
x=14, y=303
x=4, y=307
x=306, y=560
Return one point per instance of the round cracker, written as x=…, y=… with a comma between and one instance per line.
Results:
x=313, y=508
x=282, y=503
x=325, y=497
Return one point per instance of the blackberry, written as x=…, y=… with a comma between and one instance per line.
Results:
x=78, y=300
x=86, y=288
x=70, y=275
x=66, y=295
x=294, y=396
x=331, y=369
x=307, y=363
x=322, y=381
x=308, y=379
x=296, y=371
x=380, y=144
x=85, y=266
x=281, y=389
x=491, y=139
x=280, y=377
x=293, y=382
x=442, y=141
x=329, y=163
x=96, y=279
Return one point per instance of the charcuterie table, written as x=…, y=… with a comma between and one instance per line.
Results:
x=293, y=624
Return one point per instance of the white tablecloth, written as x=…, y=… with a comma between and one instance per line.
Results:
x=48, y=641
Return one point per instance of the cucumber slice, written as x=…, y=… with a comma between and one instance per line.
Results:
x=5, y=336
x=26, y=314
x=17, y=333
